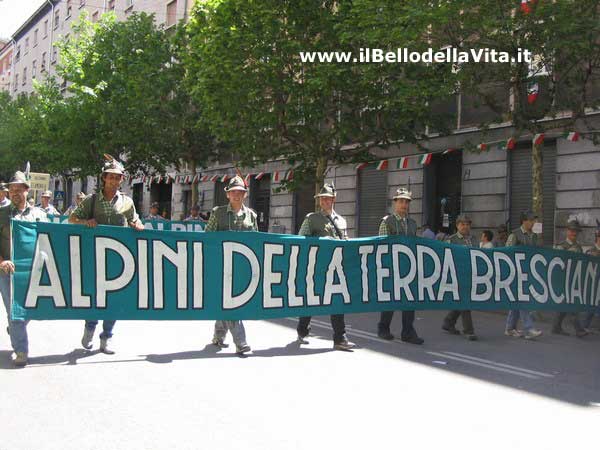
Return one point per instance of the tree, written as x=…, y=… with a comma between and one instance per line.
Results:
x=259, y=96
x=120, y=80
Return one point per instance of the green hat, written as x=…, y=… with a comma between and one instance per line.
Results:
x=328, y=190
x=111, y=165
x=19, y=178
x=573, y=225
x=236, y=184
x=3, y=187
x=403, y=193
x=463, y=218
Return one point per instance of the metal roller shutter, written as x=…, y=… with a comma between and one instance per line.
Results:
x=372, y=200
x=520, y=186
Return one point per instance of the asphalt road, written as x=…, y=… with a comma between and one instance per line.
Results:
x=167, y=389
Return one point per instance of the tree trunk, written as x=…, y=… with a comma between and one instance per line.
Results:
x=537, y=186
x=319, y=178
x=194, y=185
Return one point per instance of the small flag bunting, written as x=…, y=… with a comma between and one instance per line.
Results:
x=482, y=147
x=362, y=166
x=382, y=165
x=510, y=144
x=538, y=139
x=402, y=163
x=259, y=175
x=573, y=136
x=425, y=159
x=532, y=93
x=450, y=150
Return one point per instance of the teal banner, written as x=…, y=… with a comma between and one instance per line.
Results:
x=166, y=225
x=74, y=272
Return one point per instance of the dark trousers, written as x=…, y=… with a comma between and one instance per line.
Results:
x=408, y=319
x=467, y=321
x=337, y=323
x=560, y=316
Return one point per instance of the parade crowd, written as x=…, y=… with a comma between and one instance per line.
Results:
x=109, y=206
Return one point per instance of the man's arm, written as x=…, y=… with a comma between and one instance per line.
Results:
x=82, y=214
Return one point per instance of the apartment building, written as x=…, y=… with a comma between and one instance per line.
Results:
x=6, y=51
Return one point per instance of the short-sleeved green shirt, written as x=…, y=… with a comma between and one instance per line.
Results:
x=29, y=214
x=119, y=211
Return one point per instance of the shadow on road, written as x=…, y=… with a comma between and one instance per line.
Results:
x=212, y=351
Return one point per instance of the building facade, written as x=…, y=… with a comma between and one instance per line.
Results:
x=491, y=186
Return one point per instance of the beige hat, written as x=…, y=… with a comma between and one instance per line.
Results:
x=236, y=184
x=328, y=190
x=403, y=193
x=111, y=165
x=81, y=195
x=19, y=178
x=47, y=194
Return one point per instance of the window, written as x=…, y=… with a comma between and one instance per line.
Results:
x=43, y=63
x=18, y=54
x=35, y=37
x=24, y=76
x=54, y=54
x=172, y=13
x=128, y=4
x=56, y=19
x=16, y=81
x=81, y=3
x=95, y=16
x=111, y=5
x=33, y=69
x=26, y=45
x=46, y=28
x=68, y=9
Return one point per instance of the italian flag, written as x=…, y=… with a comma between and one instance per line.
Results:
x=382, y=165
x=362, y=166
x=289, y=175
x=538, y=139
x=450, y=150
x=224, y=178
x=525, y=7
x=214, y=178
x=482, y=147
x=510, y=144
x=205, y=178
x=259, y=175
x=425, y=159
x=168, y=179
x=158, y=179
x=276, y=176
x=247, y=179
x=532, y=93
x=196, y=178
x=402, y=163
x=573, y=136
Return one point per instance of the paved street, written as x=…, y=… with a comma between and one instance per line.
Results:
x=166, y=389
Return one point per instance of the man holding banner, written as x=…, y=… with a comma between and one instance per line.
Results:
x=461, y=237
x=522, y=236
x=233, y=217
x=326, y=223
x=19, y=209
x=4, y=201
x=399, y=224
x=108, y=207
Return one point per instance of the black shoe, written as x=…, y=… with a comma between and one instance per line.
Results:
x=560, y=332
x=385, y=334
x=471, y=336
x=413, y=340
x=450, y=329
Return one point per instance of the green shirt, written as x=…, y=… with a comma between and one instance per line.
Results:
x=119, y=211
x=318, y=224
x=520, y=237
x=29, y=214
x=594, y=251
x=223, y=218
x=459, y=239
x=569, y=246
x=396, y=224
